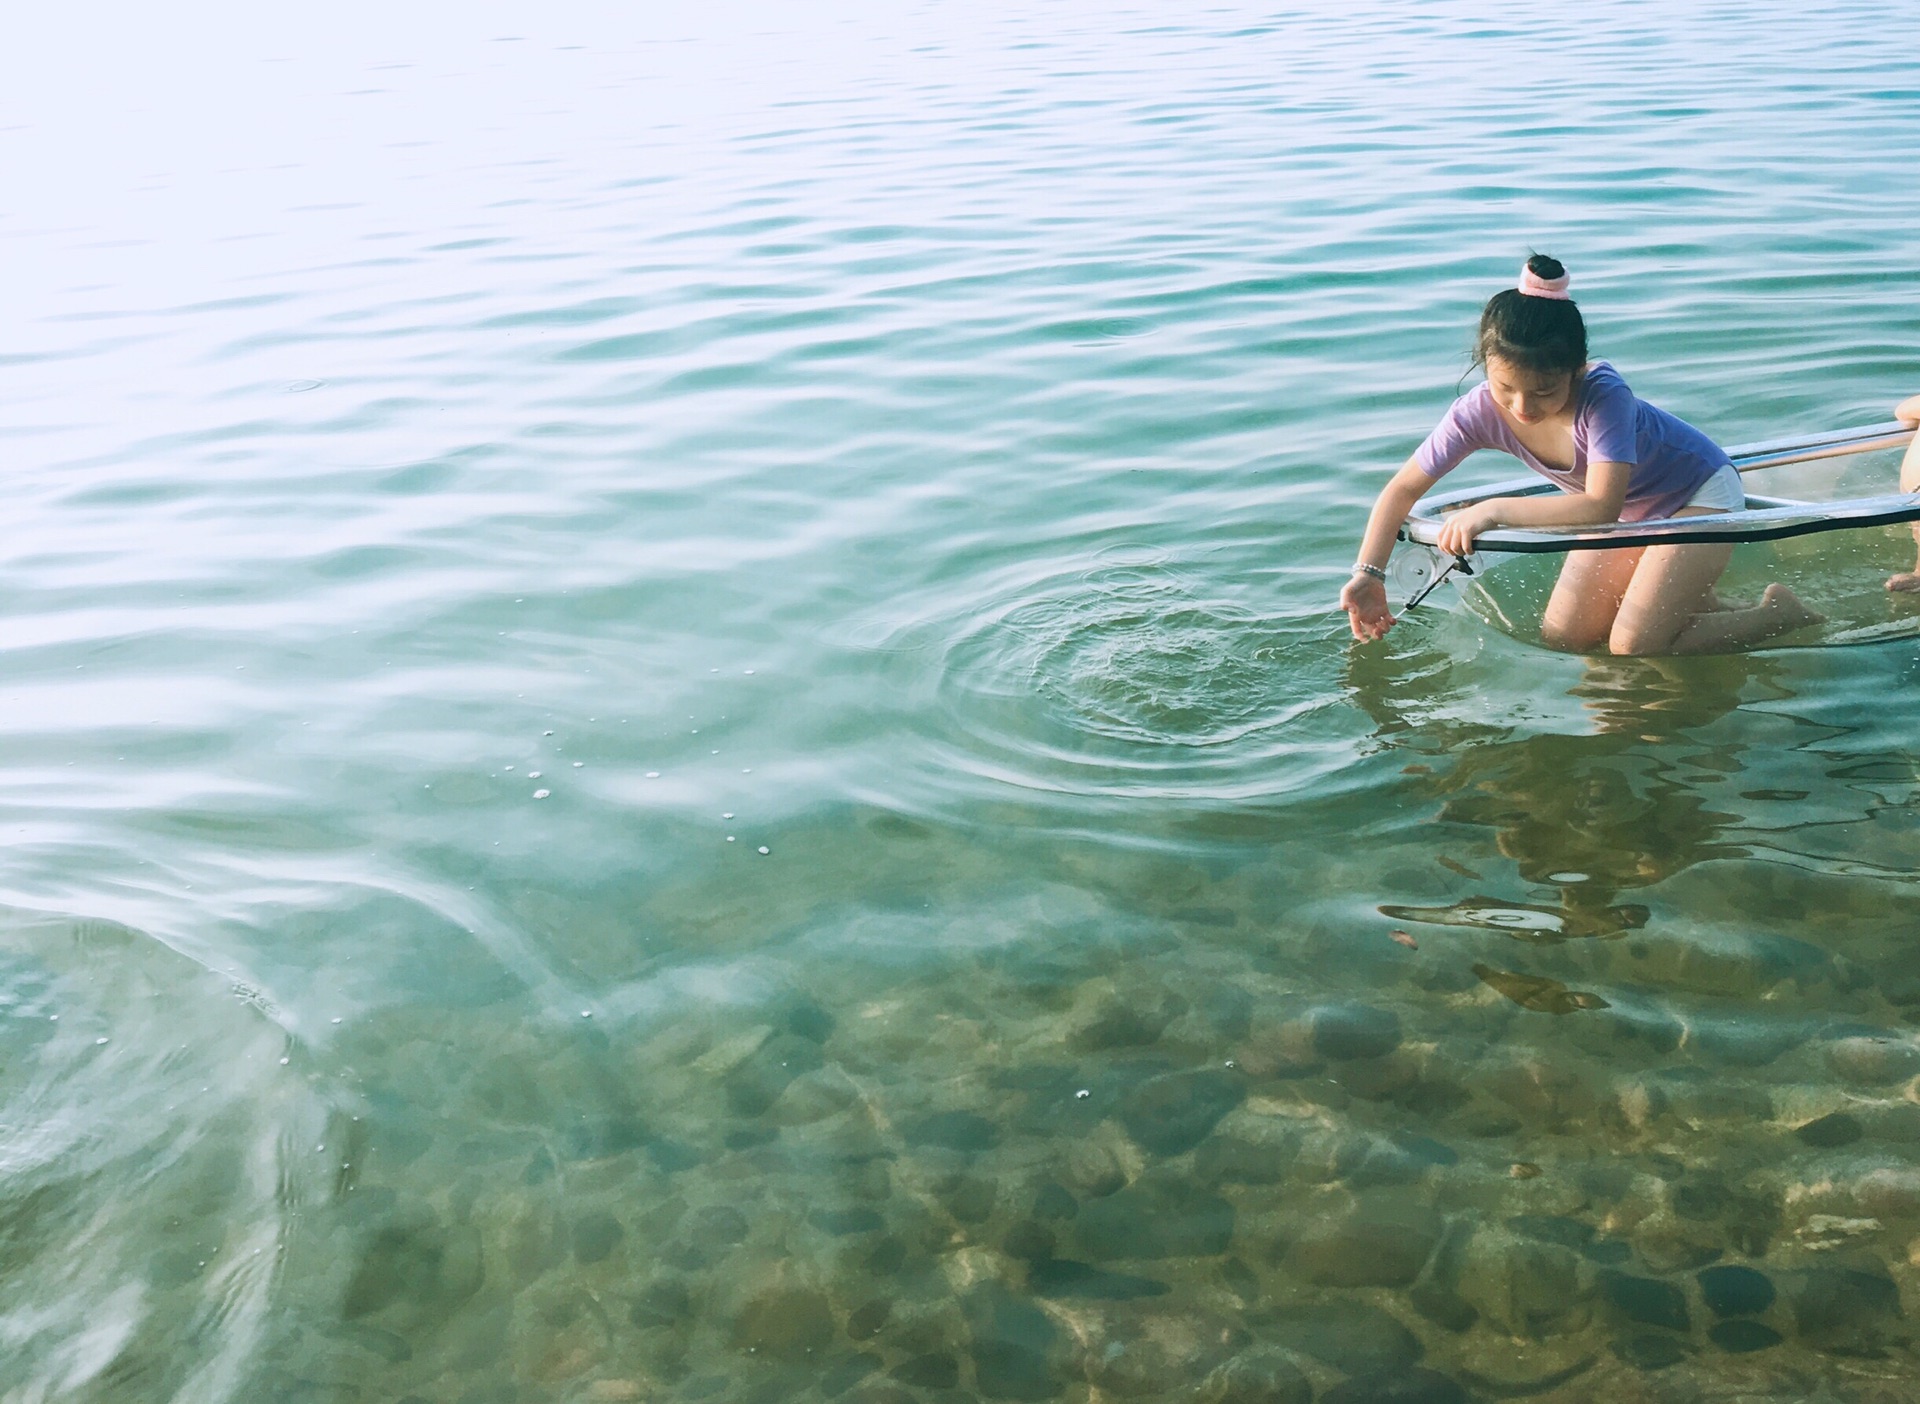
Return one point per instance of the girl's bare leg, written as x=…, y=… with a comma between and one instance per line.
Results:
x=1667, y=606
x=1586, y=598
x=1909, y=411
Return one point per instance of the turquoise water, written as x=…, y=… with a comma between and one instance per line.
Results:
x=673, y=729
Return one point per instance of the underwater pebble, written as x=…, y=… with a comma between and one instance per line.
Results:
x=1348, y=1031
x=1731, y=1290
x=541, y=794
x=1525, y=1288
x=1173, y=1113
x=1154, y=1219
x=1650, y=1352
x=1354, y=1338
x=789, y=1323
x=726, y=816
x=765, y=849
x=1379, y=1243
x=615, y=1392
x=1647, y=1300
x=653, y=775
x=1832, y=1231
x=1118, y=1023
x=1743, y=1337
x=933, y=1370
x=1873, y=1060
x=1846, y=1309
x=1834, y=1129
x=1566, y=877
x=1260, y=1376
x=578, y=764
x=953, y=1130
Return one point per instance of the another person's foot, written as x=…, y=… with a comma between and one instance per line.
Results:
x=1906, y=580
x=1788, y=609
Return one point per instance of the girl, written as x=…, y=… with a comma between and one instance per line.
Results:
x=1908, y=411
x=1614, y=457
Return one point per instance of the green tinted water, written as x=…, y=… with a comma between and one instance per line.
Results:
x=673, y=727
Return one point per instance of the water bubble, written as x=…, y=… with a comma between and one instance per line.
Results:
x=653, y=775
x=749, y=672
x=729, y=838
x=541, y=794
x=578, y=764
x=533, y=775
x=1083, y=1094
x=98, y=1041
x=283, y=1063
x=763, y=849
x=1566, y=877
x=726, y=816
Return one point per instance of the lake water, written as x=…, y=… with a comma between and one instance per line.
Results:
x=672, y=727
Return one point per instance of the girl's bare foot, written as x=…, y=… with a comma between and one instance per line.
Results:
x=1905, y=580
x=1788, y=610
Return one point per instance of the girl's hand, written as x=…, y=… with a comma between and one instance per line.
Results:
x=1365, y=601
x=1908, y=410
x=1458, y=531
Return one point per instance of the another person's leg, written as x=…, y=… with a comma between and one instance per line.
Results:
x=1668, y=606
x=1908, y=410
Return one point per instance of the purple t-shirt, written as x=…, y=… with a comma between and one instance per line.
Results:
x=1670, y=458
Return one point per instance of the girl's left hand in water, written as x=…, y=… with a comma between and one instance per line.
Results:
x=1458, y=531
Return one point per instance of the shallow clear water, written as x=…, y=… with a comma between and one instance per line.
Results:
x=672, y=727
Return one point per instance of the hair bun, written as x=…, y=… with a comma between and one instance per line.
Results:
x=1544, y=266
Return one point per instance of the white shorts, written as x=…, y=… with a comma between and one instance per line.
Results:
x=1723, y=492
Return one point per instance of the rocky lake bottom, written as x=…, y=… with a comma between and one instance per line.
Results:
x=1623, y=1164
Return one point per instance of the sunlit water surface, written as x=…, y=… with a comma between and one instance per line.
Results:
x=671, y=726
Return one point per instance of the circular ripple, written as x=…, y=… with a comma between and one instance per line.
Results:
x=1156, y=676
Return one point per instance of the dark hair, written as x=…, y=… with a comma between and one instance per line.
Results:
x=1544, y=334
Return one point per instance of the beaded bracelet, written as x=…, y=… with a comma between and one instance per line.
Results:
x=1362, y=568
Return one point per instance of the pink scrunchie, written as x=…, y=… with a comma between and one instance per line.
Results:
x=1533, y=285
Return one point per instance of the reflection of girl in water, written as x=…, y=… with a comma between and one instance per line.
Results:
x=1908, y=411
x=1615, y=458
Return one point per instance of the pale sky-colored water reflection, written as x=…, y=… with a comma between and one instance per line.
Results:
x=672, y=729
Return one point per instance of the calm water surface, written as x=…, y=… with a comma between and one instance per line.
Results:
x=671, y=728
